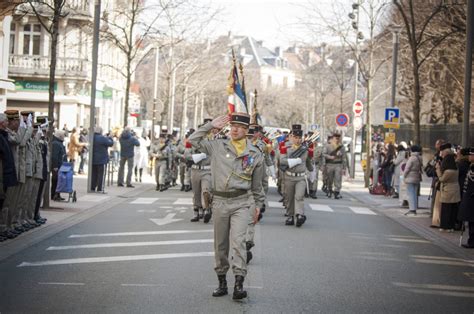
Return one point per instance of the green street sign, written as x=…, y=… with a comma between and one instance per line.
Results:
x=40, y=86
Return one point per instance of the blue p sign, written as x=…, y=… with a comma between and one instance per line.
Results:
x=392, y=115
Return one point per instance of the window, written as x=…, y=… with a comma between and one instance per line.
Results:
x=12, y=38
x=31, y=39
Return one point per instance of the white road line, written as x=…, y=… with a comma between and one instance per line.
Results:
x=144, y=233
x=275, y=205
x=144, y=200
x=362, y=210
x=146, y=211
x=166, y=207
x=94, y=198
x=321, y=208
x=142, y=285
x=183, y=201
x=62, y=283
x=127, y=244
x=114, y=259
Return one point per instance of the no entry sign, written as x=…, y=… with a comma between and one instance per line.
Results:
x=342, y=119
x=358, y=108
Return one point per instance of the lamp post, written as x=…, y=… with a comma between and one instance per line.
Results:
x=396, y=29
x=354, y=16
x=468, y=73
x=155, y=92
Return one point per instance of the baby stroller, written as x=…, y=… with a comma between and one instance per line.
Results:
x=65, y=180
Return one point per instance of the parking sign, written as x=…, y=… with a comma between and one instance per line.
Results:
x=392, y=118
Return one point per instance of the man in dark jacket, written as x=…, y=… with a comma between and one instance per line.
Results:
x=8, y=178
x=100, y=157
x=466, y=208
x=58, y=156
x=127, y=152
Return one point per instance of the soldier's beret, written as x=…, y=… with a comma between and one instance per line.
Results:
x=41, y=119
x=297, y=133
x=337, y=135
x=206, y=120
x=251, y=131
x=26, y=113
x=162, y=135
x=240, y=118
x=12, y=114
x=445, y=146
x=175, y=132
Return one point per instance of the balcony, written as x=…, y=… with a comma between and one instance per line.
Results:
x=67, y=68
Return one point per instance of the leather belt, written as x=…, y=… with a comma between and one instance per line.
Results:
x=229, y=194
x=201, y=167
x=294, y=174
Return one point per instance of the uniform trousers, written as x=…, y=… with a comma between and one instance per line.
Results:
x=314, y=184
x=29, y=214
x=39, y=196
x=334, y=177
x=24, y=203
x=231, y=217
x=182, y=172
x=11, y=205
x=201, y=182
x=295, y=190
x=160, y=171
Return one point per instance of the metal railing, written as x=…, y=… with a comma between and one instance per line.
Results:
x=64, y=66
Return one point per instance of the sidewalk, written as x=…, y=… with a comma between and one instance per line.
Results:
x=420, y=224
x=63, y=215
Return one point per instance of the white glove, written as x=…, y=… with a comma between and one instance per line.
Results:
x=294, y=162
x=39, y=133
x=198, y=157
x=22, y=123
x=272, y=171
x=44, y=125
x=29, y=121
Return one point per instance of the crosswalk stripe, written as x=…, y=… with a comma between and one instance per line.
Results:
x=94, y=198
x=144, y=200
x=362, y=210
x=275, y=205
x=321, y=207
x=127, y=244
x=143, y=233
x=114, y=259
x=183, y=201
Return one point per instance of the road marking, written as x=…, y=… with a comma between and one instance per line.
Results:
x=114, y=259
x=169, y=211
x=321, y=208
x=166, y=220
x=409, y=240
x=144, y=233
x=94, y=198
x=275, y=205
x=145, y=200
x=146, y=211
x=166, y=207
x=183, y=201
x=362, y=210
x=62, y=283
x=127, y=244
x=142, y=285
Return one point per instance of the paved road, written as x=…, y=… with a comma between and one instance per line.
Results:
x=144, y=256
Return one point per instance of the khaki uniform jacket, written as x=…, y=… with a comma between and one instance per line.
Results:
x=30, y=158
x=341, y=156
x=305, y=164
x=18, y=144
x=159, y=153
x=450, y=190
x=229, y=171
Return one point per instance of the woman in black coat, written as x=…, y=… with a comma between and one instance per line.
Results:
x=466, y=207
x=58, y=156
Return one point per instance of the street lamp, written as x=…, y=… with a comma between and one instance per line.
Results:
x=396, y=29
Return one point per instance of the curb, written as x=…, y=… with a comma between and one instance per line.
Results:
x=32, y=237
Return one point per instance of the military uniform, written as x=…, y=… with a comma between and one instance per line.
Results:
x=237, y=185
x=162, y=154
x=336, y=163
x=295, y=178
x=317, y=163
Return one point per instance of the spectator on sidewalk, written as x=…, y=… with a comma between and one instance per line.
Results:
x=141, y=156
x=430, y=170
x=100, y=158
x=74, y=147
x=463, y=166
x=397, y=163
x=466, y=207
x=58, y=156
x=83, y=154
x=388, y=169
x=127, y=144
x=412, y=178
x=448, y=176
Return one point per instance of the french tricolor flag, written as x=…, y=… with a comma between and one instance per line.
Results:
x=236, y=102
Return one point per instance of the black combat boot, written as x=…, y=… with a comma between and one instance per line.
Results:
x=329, y=193
x=187, y=188
x=157, y=187
x=313, y=195
x=300, y=219
x=239, y=292
x=207, y=215
x=290, y=221
x=196, y=216
x=162, y=187
x=182, y=188
x=337, y=195
x=222, y=289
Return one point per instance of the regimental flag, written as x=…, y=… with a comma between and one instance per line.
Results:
x=236, y=102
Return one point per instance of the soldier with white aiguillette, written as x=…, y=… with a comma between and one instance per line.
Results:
x=161, y=152
x=297, y=161
x=336, y=164
x=236, y=174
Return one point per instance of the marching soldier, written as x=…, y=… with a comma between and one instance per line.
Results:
x=324, y=170
x=42, y=168
x=317, y=163
x=162, y=154
x=236, y=173
x=201, y=182
x=336, y=164
x=296, y=160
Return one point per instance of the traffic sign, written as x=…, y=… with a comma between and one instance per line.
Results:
x=342, y=119
x=358, y=108
x=314, y=127
x=392, y=118
x=357, y=123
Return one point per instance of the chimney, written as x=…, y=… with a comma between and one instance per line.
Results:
x=260, y=43
x=279, y=52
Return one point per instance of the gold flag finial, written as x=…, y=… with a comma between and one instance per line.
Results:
x=255, y=109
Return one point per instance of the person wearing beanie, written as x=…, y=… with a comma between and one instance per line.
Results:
x=412, y=178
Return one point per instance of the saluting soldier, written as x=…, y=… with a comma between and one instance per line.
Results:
x=42, y=167
x=236, y=172
x=336, y=164
x=297, y=161
x=201, y=182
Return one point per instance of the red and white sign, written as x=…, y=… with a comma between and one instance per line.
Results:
x=358, y=108
x=342, y=120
